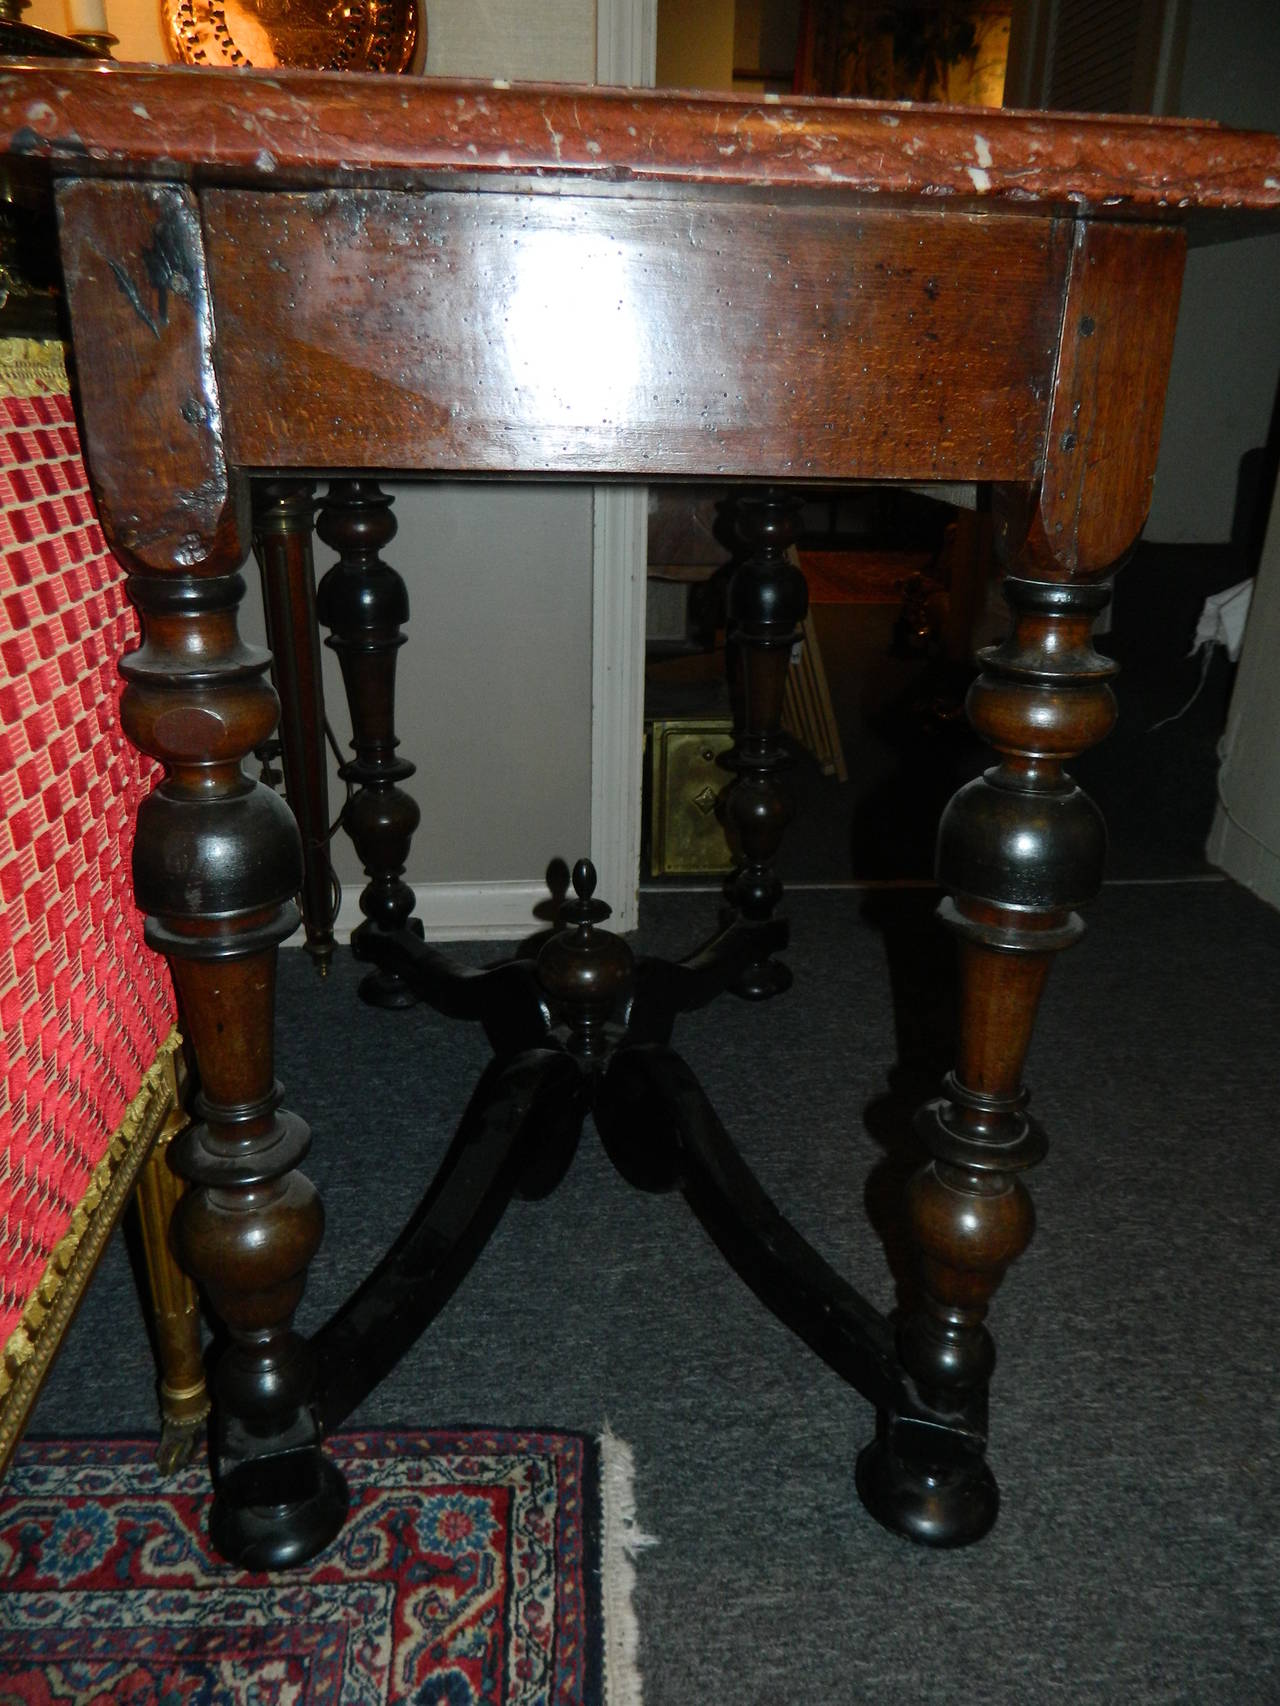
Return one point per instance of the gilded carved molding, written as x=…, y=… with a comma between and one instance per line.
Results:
x=31, y=1347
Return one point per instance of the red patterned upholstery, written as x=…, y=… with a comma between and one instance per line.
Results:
x=84, y=1005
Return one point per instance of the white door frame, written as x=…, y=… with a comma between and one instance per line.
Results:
x=626, y=54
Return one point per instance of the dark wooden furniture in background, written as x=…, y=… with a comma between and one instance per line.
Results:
x=294, y=273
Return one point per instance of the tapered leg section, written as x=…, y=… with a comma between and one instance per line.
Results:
x=216, y=866
x=175, y=1306
x=282, y=523
x=364, y=604
x=1018, y=849
x=767, y=602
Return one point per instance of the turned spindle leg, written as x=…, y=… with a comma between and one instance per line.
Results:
x=1019, y=849
x=767, y=602
x=363, y=602
x=217, y=860
x=282, y=522
x=216, y=866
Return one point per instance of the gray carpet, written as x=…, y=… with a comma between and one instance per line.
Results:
x=1135, y=1429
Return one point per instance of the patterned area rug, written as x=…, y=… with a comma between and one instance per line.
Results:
x=475, y=1569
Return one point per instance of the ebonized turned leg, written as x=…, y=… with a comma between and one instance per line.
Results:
x=363, y=601
x=216, y=867
x=282, y=521
x=1018, y=850
x=767, y=602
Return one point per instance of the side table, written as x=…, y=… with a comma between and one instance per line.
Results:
x=294, y=273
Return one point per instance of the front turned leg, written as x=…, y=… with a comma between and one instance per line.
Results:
x=217, y=860
x=363, y=602
x=1018, y=849
x=768, y=599
x=216, y=866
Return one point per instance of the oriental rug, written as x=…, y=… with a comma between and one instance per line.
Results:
x=476, y=1568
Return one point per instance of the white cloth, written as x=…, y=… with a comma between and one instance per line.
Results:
x=1223, y=618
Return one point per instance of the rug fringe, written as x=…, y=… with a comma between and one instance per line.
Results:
x=623, y=1538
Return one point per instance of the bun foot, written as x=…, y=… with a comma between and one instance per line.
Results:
x=762, y=981
x=280, y=1537
x=381, y=986
x=945, y=1505
x=385, y=989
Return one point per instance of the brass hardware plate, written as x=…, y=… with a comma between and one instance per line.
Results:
x=686, y=836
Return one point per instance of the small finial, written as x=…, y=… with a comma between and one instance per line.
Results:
x=580, y=908
x=585, y=970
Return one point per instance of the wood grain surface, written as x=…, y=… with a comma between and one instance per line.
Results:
x=497, y=333
x=138, y=298
x=1120, y=311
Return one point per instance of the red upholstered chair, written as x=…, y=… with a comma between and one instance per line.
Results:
x=90, y=1068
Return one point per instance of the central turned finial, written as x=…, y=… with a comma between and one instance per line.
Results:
x=584, y=969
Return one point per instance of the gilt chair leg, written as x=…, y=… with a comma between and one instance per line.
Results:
x=184, y=1395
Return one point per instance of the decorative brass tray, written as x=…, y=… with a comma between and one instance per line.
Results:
x=312, y=35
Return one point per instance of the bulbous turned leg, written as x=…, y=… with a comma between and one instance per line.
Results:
x=1019, y=849
x=282, y=522
x=363, y=601
x=216, y=867
x=767, y=602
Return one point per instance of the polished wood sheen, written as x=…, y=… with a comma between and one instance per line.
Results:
x=295, y=275
x=364, y=604
x=747, y=338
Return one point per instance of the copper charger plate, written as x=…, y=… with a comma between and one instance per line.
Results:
x=349, y=35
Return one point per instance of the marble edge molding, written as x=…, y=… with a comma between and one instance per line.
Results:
x=307, y=129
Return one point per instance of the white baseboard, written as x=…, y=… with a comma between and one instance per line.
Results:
x=455, y=912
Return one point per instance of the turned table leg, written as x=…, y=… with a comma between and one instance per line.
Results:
x=1019, y=849
x=767, y=602
x=363, y=602
x=282, y=522
x=217, y=860
x=216, y=866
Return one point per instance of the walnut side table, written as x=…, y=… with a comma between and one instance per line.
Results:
x=293, y=273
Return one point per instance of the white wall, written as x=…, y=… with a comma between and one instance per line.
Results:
x=1227, y=355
